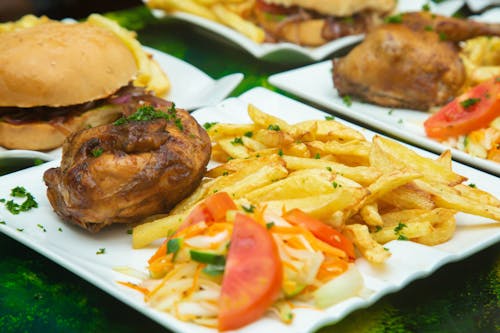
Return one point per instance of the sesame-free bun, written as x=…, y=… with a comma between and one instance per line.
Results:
x=58, y=64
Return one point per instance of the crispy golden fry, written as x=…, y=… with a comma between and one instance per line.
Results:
x=238, y=23
x=409, y=196
x=267, y=121
x=443, y=229
x=298, y=184
x=188, y=6
x=409, y=230
x=326, y=130
x=388, y=155
x=321, y=206
x=449, y=197
x=370, y=215
x=146, y=233
x=388, y=182
x=360, y=174
x=369, y=248
x=234, y=147
x=219, y=131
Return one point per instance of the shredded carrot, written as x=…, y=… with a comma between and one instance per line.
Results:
x=331, y=267
x=193, y=230
x=160, y=252
x=315, y=243
x=134, y=286
x=196, y=277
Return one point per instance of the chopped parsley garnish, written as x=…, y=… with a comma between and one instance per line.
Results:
x=398, y=229
x=394, y=19
x=3, y=222
x=428, y=28
x=472, y=185
x=378, y=228
x=329, y=168
x=97, y=151
x=237, y=141
x=225, y=173
x=148, y=112
x=335, y=185
x=129, y=232
x=16, y=208
x=249, y=209
x=248, y=134
x=274, y=127
x=269, y=225
x=329, y=117
x=280, y=152
x=102, y=250
x=347, y=100
x=442, y=36
x=41, y=227
x=426, y=7
x=207, y=126
x=469, y=102
x=317, y=156
x=59, y=229
x=391, y=111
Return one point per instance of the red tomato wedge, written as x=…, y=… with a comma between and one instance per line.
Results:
x=252, y=277
x=213, y=208
x=218, y=205
x=321, y=231
x=475, y=109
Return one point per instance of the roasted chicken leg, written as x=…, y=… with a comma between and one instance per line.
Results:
x=414, y=64
x=126, y=171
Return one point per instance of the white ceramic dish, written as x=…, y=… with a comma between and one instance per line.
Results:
x=479, y=5
x=190, y=89
x=75, y=249
x=292, y=53
x=314, y=83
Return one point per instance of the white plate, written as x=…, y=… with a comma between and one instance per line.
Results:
x=292, y=53
x=75, y=249
x=478, y=5
x=314, y=83
x=190, y=89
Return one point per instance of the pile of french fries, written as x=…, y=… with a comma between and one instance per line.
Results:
x=481, y=58
x=374, y=192
x=232, y=13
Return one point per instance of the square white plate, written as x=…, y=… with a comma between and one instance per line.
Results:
x=190, y=89
x=288, y=53
x=315, y=83
x=75, y=249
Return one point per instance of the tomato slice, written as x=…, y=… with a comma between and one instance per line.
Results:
x=474, y=109
x=253, y=274
x=213, y=208
x=321, y=231
x=271, y=8
x=218, y=205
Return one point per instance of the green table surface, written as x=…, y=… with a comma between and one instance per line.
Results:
x=37, y=295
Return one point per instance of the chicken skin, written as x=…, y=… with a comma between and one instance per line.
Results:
x=131, y=169
x=414, y=64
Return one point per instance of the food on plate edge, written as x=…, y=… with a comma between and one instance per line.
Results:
x=412, y=62
x=140, y=165
x=318, y=190
x=60, y=77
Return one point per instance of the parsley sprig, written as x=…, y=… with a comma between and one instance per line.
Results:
x=148, y=112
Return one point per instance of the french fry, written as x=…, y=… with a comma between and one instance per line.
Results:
x=448, y=197
x=409, y=230
x=369, y=248
x=370, y=215
x=360, y=174
x=236, y=22
x=188, y=6
x=321, y=206
x=264, y=120
x=219, y=131
x=146, y=233
x=409, y=196
x=395, y=155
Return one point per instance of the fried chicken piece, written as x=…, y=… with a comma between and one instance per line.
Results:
x=414, y=64
x=120, y=173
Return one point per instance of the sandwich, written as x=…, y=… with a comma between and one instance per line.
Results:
x=57, y=78
x=316, y=22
